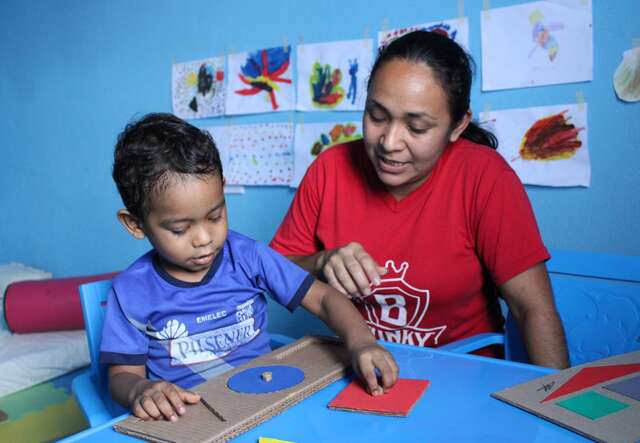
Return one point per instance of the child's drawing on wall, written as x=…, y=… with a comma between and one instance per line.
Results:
x=536, y=43
x=198, y=88
x=545, y=145
x=329, y=73
x=542, y=36
x=311, y=139
x=260, y=81
x=456, y=29
x=326, y=91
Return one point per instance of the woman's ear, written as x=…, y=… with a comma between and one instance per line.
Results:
x=460, y=127
x=131, y=224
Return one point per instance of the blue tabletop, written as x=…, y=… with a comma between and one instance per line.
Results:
x=456, y=407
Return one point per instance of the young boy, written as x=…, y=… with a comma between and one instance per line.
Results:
x=194, y=306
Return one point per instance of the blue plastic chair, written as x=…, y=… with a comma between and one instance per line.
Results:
x=598, y=299
x=90, y=388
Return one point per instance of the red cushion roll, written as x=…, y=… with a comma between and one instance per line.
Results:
x=46, y=305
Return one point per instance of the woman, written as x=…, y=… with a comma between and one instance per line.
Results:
x=422, y=220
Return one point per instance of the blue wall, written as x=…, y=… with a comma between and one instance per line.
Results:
x=75, y=71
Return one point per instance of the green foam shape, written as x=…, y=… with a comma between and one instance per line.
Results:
x=592, y=405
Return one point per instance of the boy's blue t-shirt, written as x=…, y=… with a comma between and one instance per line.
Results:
x=187, y=333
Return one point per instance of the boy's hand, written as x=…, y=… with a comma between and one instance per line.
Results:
x=162, y=400
x=369, y=357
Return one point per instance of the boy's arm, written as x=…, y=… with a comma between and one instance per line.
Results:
x=148, y=400
x=343, y=318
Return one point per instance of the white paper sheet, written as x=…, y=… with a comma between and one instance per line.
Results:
x=257, y=154
x=198, y=88
x=313, y=138
x=333, y=76
x=557, y=156
x=457, y=29
x=537, y=43
x=260, y=81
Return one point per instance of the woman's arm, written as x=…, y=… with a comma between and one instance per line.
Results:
x=349, y=269
x=530, y=301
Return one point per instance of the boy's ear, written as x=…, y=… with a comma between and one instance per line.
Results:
x=131, y=224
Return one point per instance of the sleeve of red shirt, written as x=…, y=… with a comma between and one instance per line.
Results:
x=508, y=239
x=297, y=232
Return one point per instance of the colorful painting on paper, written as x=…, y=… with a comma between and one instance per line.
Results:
x=260, y=81
x=537, y=43
x=198, y=88
x=456, y=29
x=313, y=138
x=546, y=145
x=333, y=76
x=257, y=154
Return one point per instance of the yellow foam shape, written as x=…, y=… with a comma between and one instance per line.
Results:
x=272, y=440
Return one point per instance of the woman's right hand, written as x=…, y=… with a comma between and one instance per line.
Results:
x=351, y=270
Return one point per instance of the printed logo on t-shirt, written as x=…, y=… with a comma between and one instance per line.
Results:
x=210, y=345
x=395, y=310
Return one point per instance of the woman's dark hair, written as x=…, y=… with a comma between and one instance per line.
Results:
x=152, y=149
x=451, y=65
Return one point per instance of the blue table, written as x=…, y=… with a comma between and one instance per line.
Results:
x=456, y=407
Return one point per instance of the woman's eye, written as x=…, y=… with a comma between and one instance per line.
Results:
x=417, y=130
x=375, y=116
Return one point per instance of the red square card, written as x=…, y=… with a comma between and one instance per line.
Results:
x=397, y=401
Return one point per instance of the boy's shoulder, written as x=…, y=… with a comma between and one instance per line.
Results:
x=240, y=243
x=243, y=249
x=140, y=270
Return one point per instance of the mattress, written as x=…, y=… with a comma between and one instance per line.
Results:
x=29, y=359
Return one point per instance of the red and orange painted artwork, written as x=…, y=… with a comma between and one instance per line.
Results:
x=550, y=138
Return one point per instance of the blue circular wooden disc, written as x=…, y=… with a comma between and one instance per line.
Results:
x=251, y=381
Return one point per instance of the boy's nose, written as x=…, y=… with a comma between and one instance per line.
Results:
x=201, y=238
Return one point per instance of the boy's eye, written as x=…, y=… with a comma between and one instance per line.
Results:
x=215, y=218
x=177, y=230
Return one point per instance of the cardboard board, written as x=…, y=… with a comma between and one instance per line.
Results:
x=397, y=401
x=224, y=413
x=578, y=398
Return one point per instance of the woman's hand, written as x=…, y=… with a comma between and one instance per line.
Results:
x=367, y=359
x=351, y=270
x=161, y=400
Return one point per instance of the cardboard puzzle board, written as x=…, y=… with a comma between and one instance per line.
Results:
x=224, y=413
x=595, y=399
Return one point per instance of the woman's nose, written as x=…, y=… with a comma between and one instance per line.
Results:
x=391, y=139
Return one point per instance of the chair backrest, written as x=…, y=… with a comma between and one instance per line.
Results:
x=93, y=297
x=598, y=299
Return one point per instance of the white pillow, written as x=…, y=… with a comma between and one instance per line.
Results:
x=14, y=272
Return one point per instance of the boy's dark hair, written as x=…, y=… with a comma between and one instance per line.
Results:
x=152, y=149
